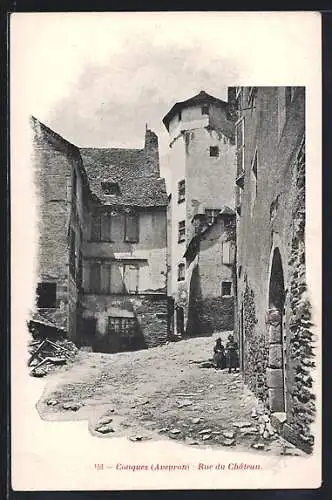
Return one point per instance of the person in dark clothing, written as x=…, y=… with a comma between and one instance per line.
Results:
x=232, y=354
x=219, y=358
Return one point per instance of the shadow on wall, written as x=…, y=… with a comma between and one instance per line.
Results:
x=195, y=327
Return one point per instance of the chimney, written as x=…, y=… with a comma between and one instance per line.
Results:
x=151, y=150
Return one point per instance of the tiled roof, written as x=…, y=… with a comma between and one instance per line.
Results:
x=201, y=98
x=125, y=167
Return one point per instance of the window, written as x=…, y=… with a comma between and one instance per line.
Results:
x=229, y=222
x=121, y=325
x=130, y=278
x=205, y=109
x=182, y=231
x=180, y=115
x=181, y=191
x=95, y=277
x=211, y=214
x=106, y=277
x=239, y=135
x=101, y=227
x=46, y=295
x=226, y=288
x=95, y=228
x=181, y=272
x=131, y=228
x=110, y=188
x=227, y=252
x=214, y=151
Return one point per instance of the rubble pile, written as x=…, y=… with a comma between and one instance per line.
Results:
x=48, y=347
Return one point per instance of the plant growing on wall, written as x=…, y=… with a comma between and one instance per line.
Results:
x=300, y=323
x=256, y=348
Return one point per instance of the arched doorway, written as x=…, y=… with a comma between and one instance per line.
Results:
x=276, y=363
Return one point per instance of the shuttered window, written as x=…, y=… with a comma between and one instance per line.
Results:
x=228, y=252
x=105, y=277
x=95, y=281
x=131, y=228
x=105, y=229
x=95, y=228
x=130, y=278
x=108, y=277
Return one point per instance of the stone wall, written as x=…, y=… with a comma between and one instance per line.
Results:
x=255, y=348
x=216, y=314
x=54, y=160
x=301, y=405
x=149, y=312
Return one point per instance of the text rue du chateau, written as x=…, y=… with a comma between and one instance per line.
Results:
x=200, y=466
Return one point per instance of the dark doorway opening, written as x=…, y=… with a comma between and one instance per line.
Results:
x=180, y=320
x=276, y=303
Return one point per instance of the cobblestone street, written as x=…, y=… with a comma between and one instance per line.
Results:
x=162, y=393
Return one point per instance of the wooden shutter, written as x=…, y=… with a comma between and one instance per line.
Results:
x=105, y=270
x=95, y=228
x=117, y=277
x=95, y=277
x=105, y=227
x=226, y=257
x=117, y=229
x=131, y=278
x=131, y=228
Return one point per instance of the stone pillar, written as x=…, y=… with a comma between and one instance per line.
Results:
x=274, y=372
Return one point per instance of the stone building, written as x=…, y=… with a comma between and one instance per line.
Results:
x=273, y=311
x=202, y=163
x=102, y=242
x=125, y=248
x=61, y=185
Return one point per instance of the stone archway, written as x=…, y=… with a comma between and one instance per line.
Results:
x=275, y=371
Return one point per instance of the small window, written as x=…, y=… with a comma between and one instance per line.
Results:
x=228, y=252
x=46, y=295
x=211, y=214
x=111, y=188
x=181, y=272
x=181, y=191
x=182, y=231
x=214, y=151
x=131, y=228
x=226, y=288
x=205, y=109
x=180, y=115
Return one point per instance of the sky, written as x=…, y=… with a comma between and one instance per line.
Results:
x=98, y=78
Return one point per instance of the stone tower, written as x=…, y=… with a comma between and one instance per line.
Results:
x=202, y=163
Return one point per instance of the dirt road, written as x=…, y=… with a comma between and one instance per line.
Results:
x=159, y=393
